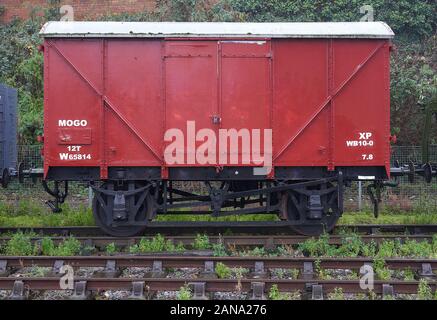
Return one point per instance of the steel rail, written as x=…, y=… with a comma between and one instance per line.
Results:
x=266, y=241
x=193, y=261
x=250, y=227
x=211, y=285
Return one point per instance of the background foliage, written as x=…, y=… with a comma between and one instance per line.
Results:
x=413, y=84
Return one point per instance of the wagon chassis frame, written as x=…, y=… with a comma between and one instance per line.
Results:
x=125, y=205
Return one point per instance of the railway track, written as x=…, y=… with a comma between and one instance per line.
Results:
x=257, y=281
x=215, y=228
x=269, y=242
x=259, y=275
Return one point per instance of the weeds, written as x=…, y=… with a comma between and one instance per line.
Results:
x=179, y=247
x=408, y=274
x=275, y=294
x=48, y=247
x=20, y=244
x=36, y=271
x=369, y=249
x=201, y=242
x=372, y=295
x=219, y=250
x=222, y=270
x=184, y=293
x=28, y=213
x=424, y=291
x=336, y=294
x=294, y=273
x=317, y=247
x=381, y=270
x=412, y=248
x=111, y=248
x=351, y=246
x=255, y=252
x=388, y=249
x=322, y=274
x=156, y=244
x=285, y=250
x=68, y=247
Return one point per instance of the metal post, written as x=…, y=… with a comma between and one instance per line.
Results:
x=90, y=197
x=360, y=195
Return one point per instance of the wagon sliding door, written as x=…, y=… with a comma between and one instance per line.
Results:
x=190, y=89
x=245, y=83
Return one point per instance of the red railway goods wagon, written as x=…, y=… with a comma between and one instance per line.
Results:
x=270, y=117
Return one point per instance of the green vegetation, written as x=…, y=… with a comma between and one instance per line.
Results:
x=201, y=242
x=322, y=273
x=255, y=252
x=36, y=271
x=222, y=270
x=408, y=275
x=111, y=248
x=196, y=217
x=157, y=244
x=184, y=293
x=68, y=247
x=219, y=249
x=391, y=217
x=353, y=246
x=336, y=294
x=381, y=271
x=33, y=214
x=21, y=244
x=424, y=291
x=275, y=294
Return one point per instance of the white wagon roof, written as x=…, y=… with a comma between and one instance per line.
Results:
x=112, y=29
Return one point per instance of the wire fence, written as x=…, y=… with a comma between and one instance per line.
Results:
x=406, y=197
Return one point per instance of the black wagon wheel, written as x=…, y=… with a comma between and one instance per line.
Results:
x=101, y=216
x=294, y=207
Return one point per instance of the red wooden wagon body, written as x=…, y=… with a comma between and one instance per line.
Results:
x=113, y=90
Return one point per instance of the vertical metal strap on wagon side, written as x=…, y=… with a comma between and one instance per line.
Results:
x=331, y=166
x=340, y=192
x=103, y=145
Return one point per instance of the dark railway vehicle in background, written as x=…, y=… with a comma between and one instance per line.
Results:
x=113, y=90
x=8, y=134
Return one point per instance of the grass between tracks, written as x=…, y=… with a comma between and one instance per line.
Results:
x=351, y=245
x=26, y=213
